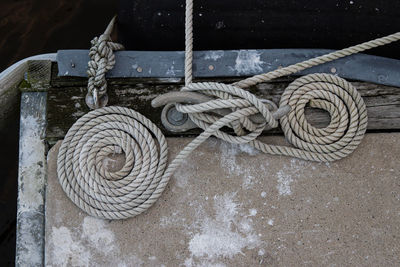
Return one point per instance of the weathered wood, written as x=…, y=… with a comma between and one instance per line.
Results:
x=66, y=103
x=31, y=180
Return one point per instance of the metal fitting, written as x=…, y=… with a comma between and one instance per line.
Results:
x=94, y=102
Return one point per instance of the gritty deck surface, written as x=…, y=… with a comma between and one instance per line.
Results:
x=229, y=205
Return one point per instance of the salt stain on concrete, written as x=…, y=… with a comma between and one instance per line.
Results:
x=67, y=251
x=229, y=162
x=82, y=247
x=287, y=175
x=222, y=236
x=98, y=235
x=181, y=176
x=284, y=182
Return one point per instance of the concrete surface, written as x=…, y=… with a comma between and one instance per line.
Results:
x=229, y=205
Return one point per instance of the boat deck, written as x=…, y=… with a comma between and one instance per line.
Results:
x=230, y=205
x=227, y=205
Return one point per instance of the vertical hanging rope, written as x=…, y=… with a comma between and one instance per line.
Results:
x=189, y=42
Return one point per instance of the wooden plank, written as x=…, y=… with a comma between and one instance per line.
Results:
x=31, y=180
x=66, y=104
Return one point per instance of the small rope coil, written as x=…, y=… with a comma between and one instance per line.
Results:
x=128, y=191
x=102, y=59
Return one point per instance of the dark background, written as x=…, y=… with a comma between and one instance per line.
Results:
x=30, y=27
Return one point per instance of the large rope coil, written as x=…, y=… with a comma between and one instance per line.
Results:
x=92, y=187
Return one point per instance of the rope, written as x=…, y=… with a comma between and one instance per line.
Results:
x=128, y=191
x=138, y=184
x=102, y=59
x=188, y=42
x=317, y=61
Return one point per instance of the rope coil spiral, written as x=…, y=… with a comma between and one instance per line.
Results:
x=128, y=191
x=132, y=189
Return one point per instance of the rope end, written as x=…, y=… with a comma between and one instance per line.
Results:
x=110, y=26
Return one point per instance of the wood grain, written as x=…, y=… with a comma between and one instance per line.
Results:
x=66, y=102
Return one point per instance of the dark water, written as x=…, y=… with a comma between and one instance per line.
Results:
x=31, y=27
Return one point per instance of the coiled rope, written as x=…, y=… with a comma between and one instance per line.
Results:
x=144, y=176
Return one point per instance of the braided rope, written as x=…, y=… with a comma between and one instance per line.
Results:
x=102, y=59
x=138, y=184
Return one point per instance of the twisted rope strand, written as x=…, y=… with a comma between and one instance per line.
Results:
x=317, y=61
x=102, y=59
x=188, y=42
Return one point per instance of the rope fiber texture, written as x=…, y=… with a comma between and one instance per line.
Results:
x=128, y=191
x=138, y=184
x=102, y=59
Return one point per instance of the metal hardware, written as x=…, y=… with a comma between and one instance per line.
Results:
x=233, y=63
x=177, y=122
x=94, y=102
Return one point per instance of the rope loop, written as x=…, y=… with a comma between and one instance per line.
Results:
x=228, y=99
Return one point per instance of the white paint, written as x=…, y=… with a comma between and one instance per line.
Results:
x=214, y=55
x=248, y=62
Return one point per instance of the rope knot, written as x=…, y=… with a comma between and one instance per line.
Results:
x=229, y=106
x=102, y=59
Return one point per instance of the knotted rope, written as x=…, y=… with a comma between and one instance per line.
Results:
x=102, y=59
x=144, y=176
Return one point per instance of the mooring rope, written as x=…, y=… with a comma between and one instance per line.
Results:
x=140, y=182
x=102, y=59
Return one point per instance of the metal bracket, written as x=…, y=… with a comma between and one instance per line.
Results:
x=232, y=63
